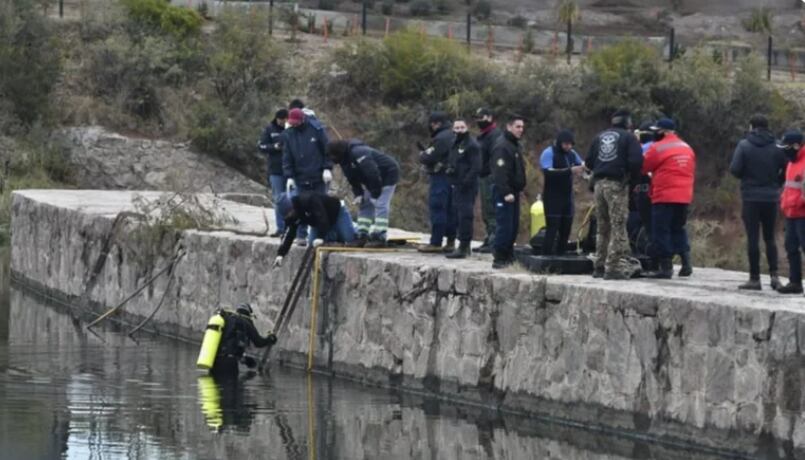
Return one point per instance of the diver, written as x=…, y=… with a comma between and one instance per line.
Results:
x=234, y=331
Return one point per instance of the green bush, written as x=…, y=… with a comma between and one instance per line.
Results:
x=161, y=15
x=760, y=21
x=420, y=8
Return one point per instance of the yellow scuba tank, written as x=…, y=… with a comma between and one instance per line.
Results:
x=537, y=216
x=209, y=395
x=209, y=345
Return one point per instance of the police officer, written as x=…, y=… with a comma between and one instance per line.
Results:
x=558, y=163
x=373, y=176
x=238, y=332
x=270, y=144
x=464, y=166
x=489, y=135
x=304, y=160
x=508, y=174
x=615, y=158
x=440, y=196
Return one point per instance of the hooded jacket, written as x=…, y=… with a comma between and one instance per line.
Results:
x=508, y=168
x=365, y=167
x=303, y=153
x=464, y=163
x=760, y=166
x=792, y=203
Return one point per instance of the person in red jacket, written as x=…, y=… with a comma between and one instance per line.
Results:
x=672, y=165
x=792, y=203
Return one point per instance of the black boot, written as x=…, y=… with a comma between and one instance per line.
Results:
x=791, y=288
x=461, y=252
x=450, y=246
x=686, y=269
x=500, y=260
x=665, y=272
x=486, y=247
x=775, y=281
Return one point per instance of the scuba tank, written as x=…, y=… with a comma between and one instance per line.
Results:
x=211, y=341
x=209, y=395
x=537, y=216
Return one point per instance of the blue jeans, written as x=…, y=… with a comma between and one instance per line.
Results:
x=668, y=233
x=373, y=219
x=277, y=184
x=320, y=187
x=440, y=204
x=507, y=223
x=342, y=232
x=794, y=243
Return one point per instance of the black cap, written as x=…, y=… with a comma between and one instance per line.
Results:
x=296, y=104
x=484, y=112
x=281, y=114
x=665, y=124
x=790, y=138
x=438, y=117
x=565, y=135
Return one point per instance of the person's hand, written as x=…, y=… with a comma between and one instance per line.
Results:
x=577, y=169
x=373, y=201
x=509, y=198
x=357, y=201
x=326, y=176
x=318, y=242
x=277, y=262
x=290, y=185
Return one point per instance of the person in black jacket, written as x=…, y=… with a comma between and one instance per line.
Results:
x=463, y=167
x=327, y=217
x=559, y=162
x=489, y=135
x=760, y=165
x=440, y=197
x=508, y=174
x=238, y=332
x=373, y=176
x=615, y=159
x=271, y=144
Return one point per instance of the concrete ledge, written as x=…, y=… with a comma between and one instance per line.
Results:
x=690, y=361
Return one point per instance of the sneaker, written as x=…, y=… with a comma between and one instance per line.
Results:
x=790, y=288
x=429, y=249
x=751, y=285
x=302, y=242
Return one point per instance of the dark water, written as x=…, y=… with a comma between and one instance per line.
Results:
x=66, y=393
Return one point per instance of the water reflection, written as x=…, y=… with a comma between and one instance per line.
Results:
x=67, y=393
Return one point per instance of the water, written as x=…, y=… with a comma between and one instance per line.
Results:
x=67, y=393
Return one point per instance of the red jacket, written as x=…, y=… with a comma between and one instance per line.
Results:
x=672, y=165
x=791, y=202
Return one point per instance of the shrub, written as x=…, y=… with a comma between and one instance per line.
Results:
x=482, y=9
x=420, y=8
x=387, y=8
x=760, y=21
x=161, y=15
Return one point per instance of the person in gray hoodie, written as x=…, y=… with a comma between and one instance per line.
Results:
x=760, y=166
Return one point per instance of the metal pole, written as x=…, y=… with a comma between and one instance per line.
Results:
x=363, y=17
x=768, y=60
x=469, y=29
x=569, y=39
x=271, y=17
x=671, y=46
x=61, y=8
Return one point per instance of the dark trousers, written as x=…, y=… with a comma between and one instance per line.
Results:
x=440, y=203
x=794, y=243
x=557, y=232
x=668, y=235
x=464, y=208
x=488, y=208
x=759, y=215
x=507, y=223
x=225, y=367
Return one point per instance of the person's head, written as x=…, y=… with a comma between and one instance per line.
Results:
x=791, y=143
x=337, y=150
x=516, y=125
x=296, y=104
x=645, y=132
x=484, y=118
x=296, y=117
x=245, y=309
x=663, y=127
x=281, y=116
x=460, y=126
x=758, y=121
x=438, y=120
x=565, y=140
x=622, y=119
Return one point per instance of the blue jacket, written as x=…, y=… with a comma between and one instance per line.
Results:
x=270, y=144
x=303, y=153
x=366, y=167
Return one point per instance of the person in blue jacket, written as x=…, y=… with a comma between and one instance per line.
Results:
x=304, y=160
x=271, y=144
x=440, y=195
x=559, y=163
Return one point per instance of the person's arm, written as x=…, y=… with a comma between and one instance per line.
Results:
x=737, y=163
x=650, y=160
x=546, y=164
x=287, y=158
x=287, y=239
x=254, y=336
x=634, y=157
x=264, y=144
x=370, y=173
x=323, y=141
x=592, y=155
x=500, y=168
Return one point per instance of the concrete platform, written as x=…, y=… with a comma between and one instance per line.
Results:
x=692, y=361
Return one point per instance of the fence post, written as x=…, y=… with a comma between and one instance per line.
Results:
x=792, y=64
x=469, y=29
x=326, y=32
x=671, y=47
x=768, y=59
x=363, y=17
x=569, y=40
x=450, y=31
x=61, y=8
x=271, y=17
x=388, y=25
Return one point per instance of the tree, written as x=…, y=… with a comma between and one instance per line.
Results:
x=567, y=13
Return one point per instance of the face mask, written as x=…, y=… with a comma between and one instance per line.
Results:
x=461, y=136
x=483, y=124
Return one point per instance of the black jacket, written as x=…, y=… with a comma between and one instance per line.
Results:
x=487, y=140
x=238, y=331
x=508, y=168
x=435, y=156
x=315, y=209
x=271, y=144
x=366, y=167
x=615, y=154
x=464, y=163
x=760, y=165
x=303, y=155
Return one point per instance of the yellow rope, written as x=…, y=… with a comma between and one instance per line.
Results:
x=311, y=421
x=314, y=301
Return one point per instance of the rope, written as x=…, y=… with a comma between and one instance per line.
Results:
x=162, y=299
x=584, y=225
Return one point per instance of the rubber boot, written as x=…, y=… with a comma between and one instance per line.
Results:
x=665, y=272
x=450, y=246
x=686, y=269
x=775, y=281
x=461, y=252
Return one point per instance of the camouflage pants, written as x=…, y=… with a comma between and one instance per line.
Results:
x=612, y=245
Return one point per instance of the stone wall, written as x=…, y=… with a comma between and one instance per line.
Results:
x=684, y=360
